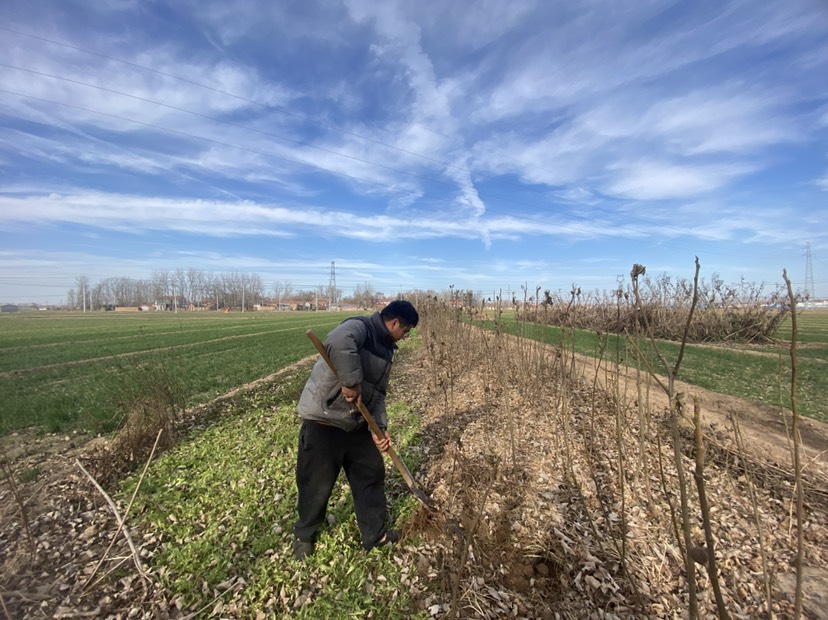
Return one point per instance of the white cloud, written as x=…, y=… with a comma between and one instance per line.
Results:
x=658, y=180
x=520, y=125
x=705, y=122
x=735, y=222
x=213, y=218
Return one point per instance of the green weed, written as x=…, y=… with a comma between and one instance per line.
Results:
x=29, y=475
x=222, y=505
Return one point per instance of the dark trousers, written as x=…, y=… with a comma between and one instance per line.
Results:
x=323, y=452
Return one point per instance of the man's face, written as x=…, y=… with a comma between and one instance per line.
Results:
x=397, y=330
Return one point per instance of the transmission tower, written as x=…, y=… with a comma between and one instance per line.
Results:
x=332, y=288
x=809, y=273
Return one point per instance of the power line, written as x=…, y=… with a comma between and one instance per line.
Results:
x=276, y=108
x=31, y=282
x=287, y=112
x=283, y=110
x=332, y=286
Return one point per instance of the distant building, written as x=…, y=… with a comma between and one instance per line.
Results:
x=169, y=302
x=302, y=305
x=8, y=308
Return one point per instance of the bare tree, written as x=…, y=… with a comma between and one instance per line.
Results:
x=364, y=295
x=180, y=286
x=212, y=286
x=232, y=284
x=196, y=286
x=160, y=284
x=252, y=289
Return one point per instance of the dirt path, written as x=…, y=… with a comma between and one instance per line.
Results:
x=766, y=429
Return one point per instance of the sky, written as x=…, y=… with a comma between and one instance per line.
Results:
x=423, y=144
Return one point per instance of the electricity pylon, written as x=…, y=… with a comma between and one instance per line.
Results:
x=809, y=273
x=332, y=288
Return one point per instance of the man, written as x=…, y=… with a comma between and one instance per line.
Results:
x=335, y=436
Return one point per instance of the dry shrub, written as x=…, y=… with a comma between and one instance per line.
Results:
x=742, y=312
x=151, y=397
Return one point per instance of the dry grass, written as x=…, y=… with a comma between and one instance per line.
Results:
x=150, y=402
x=743, y=313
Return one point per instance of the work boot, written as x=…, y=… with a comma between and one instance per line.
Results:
x=302, y=549
x=388, y=538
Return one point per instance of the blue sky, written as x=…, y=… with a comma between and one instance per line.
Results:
x=421, y=144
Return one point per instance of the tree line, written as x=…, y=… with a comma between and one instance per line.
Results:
x=196, y=289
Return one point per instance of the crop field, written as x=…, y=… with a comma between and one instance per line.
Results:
x=68, y=371
x=63, y=372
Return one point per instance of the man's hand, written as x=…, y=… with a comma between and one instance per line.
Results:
x=383, y=443
x=352, y=394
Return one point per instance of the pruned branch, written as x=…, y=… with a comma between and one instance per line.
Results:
x=689, y=319
x=121, y=524
x=126, y=512
x=797, y=456
x=698, y=474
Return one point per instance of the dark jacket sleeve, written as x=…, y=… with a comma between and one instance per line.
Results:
x=380, y=414
x=343, y=345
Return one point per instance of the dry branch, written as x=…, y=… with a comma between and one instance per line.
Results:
x=754, y=504
x=690, y=569
x=676, y=404
x=126, y=512
x=121, y=524
x=26, y=596
x=712, y=570
x=9, y=475
x=467, y=542
x=195, y=614
x=797, y=441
